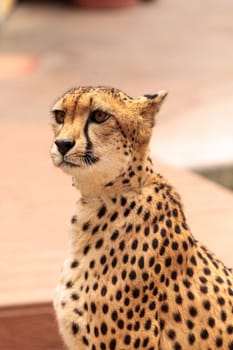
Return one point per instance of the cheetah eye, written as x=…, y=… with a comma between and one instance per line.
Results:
x=59, y=116
x=99, y=116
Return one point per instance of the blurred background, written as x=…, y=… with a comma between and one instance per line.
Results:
x=47, y=47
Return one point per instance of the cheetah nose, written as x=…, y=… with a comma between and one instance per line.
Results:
x=64, y=145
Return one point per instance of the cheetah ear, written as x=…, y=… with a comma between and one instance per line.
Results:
x=148, y=106
x=152, y=103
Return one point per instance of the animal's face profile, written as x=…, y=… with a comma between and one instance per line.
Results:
x=99, y=130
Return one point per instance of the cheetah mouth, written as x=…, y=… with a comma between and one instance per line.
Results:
x=67, y=164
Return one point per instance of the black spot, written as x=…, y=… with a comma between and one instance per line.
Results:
x=74, y=219
x=193, y=260
x=146, y=215
x=118, y=295
x=146, y=231
x=177, y=317
x=127, y=339
x=134, y=244
x=145, y=247
x=180, y=259
x=103, y=328
x=132, y=275
x=122, y=245
x=157, y=268
x=190, y=324
x=204, y=289
x=104, y=226
x=171, y=334
x=132, y=204
x=99, y=243
x=95, y=286
x=175, y=246
x=179, y=299
x=141, y=262
x=203, y=279
x=177, y=346
x=102, y=346
x=164, y=308
x=129, y=228
x=105, y=270
x=69, y=284
x=104, y=291
x=96, y=332
x=86, y=226
x=75, y=328
x=114, y=280
x=193, y=311
x=93, y=307
x=112, y=344
x=145, y=342
x=163, y=232
x=114, y=216
x=169, y=223
x=204, y=334
x=155, y=243
x=223, y=316
x=152, y=305
x=145, y=276
x=86, y=249
x=114, y=316
x=123, y=201
x=130, y=314
x=211, y=322
x=174, y=275
x=135, y=293
x=221, y=301
x=206, y=304
x=95, y=229
x=103, y=259
x=126, y=212
x=151, y=261
x=186, y=283
x=85, y=341
x=189, y=271
x=219, y=342
x=101, y=211
x=120, y=324
x=114, y=235
x=168, y=262
x=74, y=264
x=105, y=308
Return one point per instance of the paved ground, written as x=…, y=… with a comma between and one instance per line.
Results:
x=185, y=47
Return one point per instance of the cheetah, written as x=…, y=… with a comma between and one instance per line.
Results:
x=135, y=277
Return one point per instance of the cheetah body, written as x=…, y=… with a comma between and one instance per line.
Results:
x=135, y=277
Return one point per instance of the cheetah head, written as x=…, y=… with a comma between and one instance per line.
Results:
x=99, y=130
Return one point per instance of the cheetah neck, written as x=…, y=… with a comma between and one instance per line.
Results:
x=136, y=176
